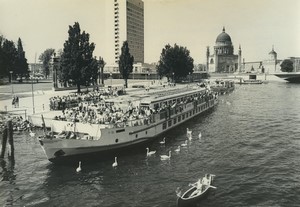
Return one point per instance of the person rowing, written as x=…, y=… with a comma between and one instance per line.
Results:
x=205, y=180
x=198, y=189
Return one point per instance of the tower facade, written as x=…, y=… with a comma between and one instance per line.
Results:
x=240, y=59
x=129, y=26
x=224, y=59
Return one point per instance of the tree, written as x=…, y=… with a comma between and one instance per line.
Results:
x=8, y=58
x=94, y=70
x=45, y=58
x=77, y=57
x=21, y=62
x=125, y=62
x=2, y=66
x=287, y=66
x=175, y=62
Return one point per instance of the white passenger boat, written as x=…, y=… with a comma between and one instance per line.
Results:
x=170, y=107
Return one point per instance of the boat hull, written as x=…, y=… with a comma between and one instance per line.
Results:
x=96, y=153
x=290, y=77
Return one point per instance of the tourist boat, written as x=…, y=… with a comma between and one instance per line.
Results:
x=192, y=195
x=292, y=77
x=223, y=86
x=172, y=106
x=252, y=80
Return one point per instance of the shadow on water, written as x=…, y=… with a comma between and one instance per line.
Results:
x=8, y=177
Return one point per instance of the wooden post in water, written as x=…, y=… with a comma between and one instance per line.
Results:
x=11, y=139
x=44, y=126
x=4, y=140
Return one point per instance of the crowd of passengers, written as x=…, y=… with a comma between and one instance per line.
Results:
x=72, y=100
x=106, y=113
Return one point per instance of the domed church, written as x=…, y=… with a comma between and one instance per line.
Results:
x=223, y=60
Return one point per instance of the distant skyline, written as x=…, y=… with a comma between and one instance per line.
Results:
x=255, y=25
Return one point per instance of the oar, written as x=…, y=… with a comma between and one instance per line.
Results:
x=211, y=186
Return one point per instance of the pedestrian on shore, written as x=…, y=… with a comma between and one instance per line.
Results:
x=13, y=101
x=17, y=102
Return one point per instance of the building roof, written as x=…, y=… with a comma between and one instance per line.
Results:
x=223, y=37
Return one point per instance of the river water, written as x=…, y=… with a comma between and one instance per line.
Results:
x=250, y=141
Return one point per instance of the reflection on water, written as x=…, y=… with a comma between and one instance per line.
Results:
x=251, y=144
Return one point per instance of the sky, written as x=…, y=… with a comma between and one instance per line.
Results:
x=256, y=25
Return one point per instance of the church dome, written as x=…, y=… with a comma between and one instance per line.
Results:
x=272, y=52
x=223, y=38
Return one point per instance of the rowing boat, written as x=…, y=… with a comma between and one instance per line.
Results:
x=196, y=192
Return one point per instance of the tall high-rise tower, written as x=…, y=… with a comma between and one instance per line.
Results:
x=129, y=26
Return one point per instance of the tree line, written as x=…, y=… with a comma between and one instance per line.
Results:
x=78, y=66
x=13, y=62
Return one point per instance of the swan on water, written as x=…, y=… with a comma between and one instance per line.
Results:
x=178, y=149
x=115, y=164
x=189, y=133
x=184, y=144
x=163, y=141
x=149, y=153
x=78, y=169
x=166, y=157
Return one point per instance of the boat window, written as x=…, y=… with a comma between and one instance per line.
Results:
x=179, y=118
x=183, y=116
x=116, y=140
x=164, y=126
x=169, y=123
x=175, y=120
x=136, y=136
x=146, y=132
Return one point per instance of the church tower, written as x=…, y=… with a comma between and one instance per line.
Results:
x=240, y=59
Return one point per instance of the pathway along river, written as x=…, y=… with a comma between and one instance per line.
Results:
x=250, y=141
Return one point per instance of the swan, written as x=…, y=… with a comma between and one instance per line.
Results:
x=78, y=169
x=166, y=157
x=163, y=141
x=72, y=136
x=184, y=144
x=150, y=153
x=31, y=133
x=189, y=133
x=178, y=149
x=115, y=164
x=200, y=135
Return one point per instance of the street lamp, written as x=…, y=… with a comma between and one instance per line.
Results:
x=11, y=81
x=173, y=77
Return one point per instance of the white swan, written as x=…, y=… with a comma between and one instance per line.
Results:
x=115, y=164
x=166, y=157
x=31, y=133
x=200, y=135
x=178, y=149
x=78, y=169
x=72, y=136
x=184, y=144
x=149, y=153
x=189, y=133
x=163, y=141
